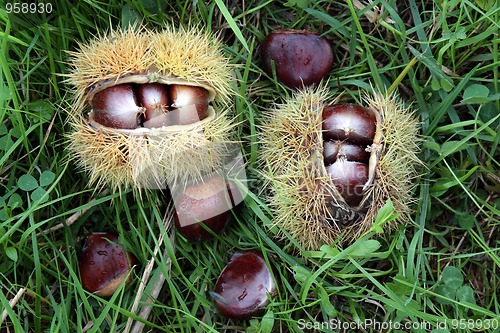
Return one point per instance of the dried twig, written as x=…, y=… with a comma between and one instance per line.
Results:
x=374, y=14
x=70, y=220
x=12, y=303
x=146, y=310
x=155, y=290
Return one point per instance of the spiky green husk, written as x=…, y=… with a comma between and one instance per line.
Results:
x=150, y=158
x=298, y=189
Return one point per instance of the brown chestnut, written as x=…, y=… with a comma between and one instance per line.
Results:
x=117, y=107
x=333, y=150
x=104, y=264
x=154, y=98
x=300, y=57
x=349, y=179
x=208, y=202
x=189, y=103
x=349, y=122
x=242, y=288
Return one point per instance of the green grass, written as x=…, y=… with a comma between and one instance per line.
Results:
x=444, y=266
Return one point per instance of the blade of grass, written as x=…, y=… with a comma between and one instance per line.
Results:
x=232, y=24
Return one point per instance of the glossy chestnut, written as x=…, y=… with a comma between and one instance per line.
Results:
x=103, y=264
x=334, y=150
x=349, y=122
x=208, y=202
x=349, y=178
x=154, y=98
x=189, y=104
x=117, y=107
x=243, y=286
x=301, y=57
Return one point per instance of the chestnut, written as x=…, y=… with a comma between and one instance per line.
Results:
x=349, y=122
x=242, y=288
x=301, y=57
x=117, y=107
x=208, y=202
x=189, y=103
x=333, y=150
x=349, y=178
x=154, y=98
x=104, y=264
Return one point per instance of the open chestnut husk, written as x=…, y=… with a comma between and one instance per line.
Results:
x=328, y=168
x=150, y=108
x=208, y=202
x=301, y=58
x=244, y=285
x=104, y=264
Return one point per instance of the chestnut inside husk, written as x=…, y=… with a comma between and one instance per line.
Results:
x=349, y=178
x=153, y=97
x=349, y=122
x=348, y=131
x=150, y=105
x=334, y=150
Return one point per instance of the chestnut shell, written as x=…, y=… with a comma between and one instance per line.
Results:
x=349, y=122
x=154, y=98
x=208, y=202
x=349, y=179
x=117, y=107
x=333, y=150
x=103, y=264
x=242, y=287
x=189, y=103
x=301, y=57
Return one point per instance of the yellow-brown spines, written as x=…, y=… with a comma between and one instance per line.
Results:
x=291, y=157
x=147, y=157
x=186, y=54
x=192, y=55
x=298, y=189
x=398, y=161
x=108, y=58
